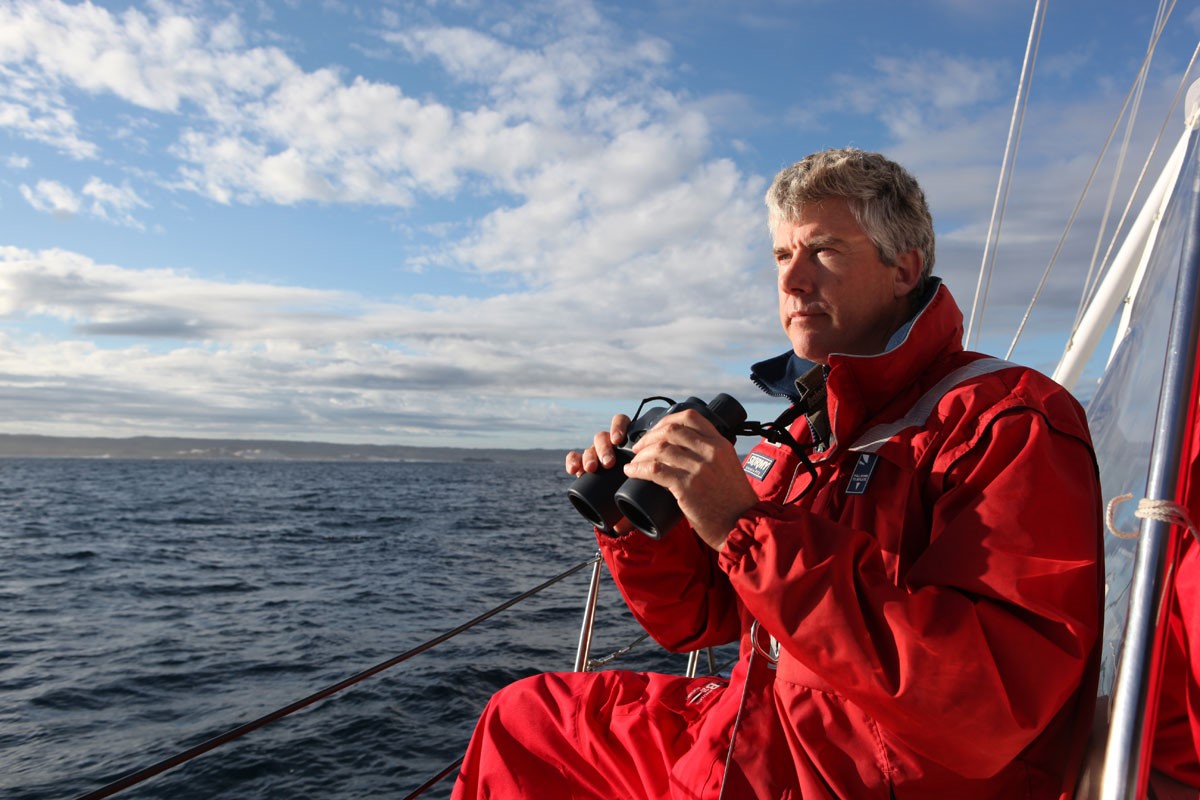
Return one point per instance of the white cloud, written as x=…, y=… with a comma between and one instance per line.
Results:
x=39, y=113
x=177, y=349
x=51, y=197
x=259, y=128
x=156, y=63
x=114, y=203
x=72, y=287
x=915, y=94
x=110, y=203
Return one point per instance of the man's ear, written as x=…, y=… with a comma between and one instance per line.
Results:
x=908, y=271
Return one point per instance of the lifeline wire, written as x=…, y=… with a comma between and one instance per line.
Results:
x=180, y=758
x=436, y=779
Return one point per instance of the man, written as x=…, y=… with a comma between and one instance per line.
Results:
x=918, y=612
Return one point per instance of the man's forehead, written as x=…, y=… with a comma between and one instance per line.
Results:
x=817, y=227
x=808, y=236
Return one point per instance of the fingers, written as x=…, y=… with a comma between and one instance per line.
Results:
x=603, y=452
x=686, y=455
x=668, y=463
x=604, y=446
x=688, y=429
x=673, y=450
x=618, y=428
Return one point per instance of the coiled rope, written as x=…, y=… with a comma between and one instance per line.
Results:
x=158, y=768
x=1166, y=511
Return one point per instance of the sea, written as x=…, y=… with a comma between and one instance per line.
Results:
x=147, y=606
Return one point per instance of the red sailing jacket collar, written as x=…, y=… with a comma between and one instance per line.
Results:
x=862, y=386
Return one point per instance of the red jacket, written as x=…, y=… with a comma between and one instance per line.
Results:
x=939, y=628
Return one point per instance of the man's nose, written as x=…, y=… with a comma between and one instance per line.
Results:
x=795, y=275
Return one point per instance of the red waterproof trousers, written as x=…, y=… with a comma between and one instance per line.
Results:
x=604, y=735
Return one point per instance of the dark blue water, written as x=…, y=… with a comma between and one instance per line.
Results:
x=147, y=606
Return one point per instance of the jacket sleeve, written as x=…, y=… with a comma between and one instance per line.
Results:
x=674, y=588
x=988, y=634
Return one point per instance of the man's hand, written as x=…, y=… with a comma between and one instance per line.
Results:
x=685, y=454
x=602, y=455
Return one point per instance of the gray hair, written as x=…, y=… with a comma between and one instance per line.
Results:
x=886, y=201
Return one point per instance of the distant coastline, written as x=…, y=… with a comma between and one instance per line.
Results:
x=170, y=447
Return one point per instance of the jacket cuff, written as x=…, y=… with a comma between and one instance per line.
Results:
x=741, y=540
x=632, y=542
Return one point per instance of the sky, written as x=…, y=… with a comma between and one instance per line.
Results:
x=480, y=223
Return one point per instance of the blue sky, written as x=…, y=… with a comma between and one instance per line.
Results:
x=495, y=224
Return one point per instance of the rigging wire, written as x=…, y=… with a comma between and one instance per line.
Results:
x=1139, y=86
x=1087, y=185
x=1113, y=241
x=1016, y=124
x=236, y=733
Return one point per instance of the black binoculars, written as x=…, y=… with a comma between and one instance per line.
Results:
x=605, y=496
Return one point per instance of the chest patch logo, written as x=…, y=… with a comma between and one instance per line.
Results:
x=863, y=469
x=758, y=465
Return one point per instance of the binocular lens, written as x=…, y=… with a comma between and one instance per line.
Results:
x=593, y=493
x=649, y=507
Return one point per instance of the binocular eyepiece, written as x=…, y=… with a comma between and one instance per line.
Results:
x=605, y=496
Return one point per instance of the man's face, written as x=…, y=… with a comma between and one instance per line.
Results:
x=835, y=295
